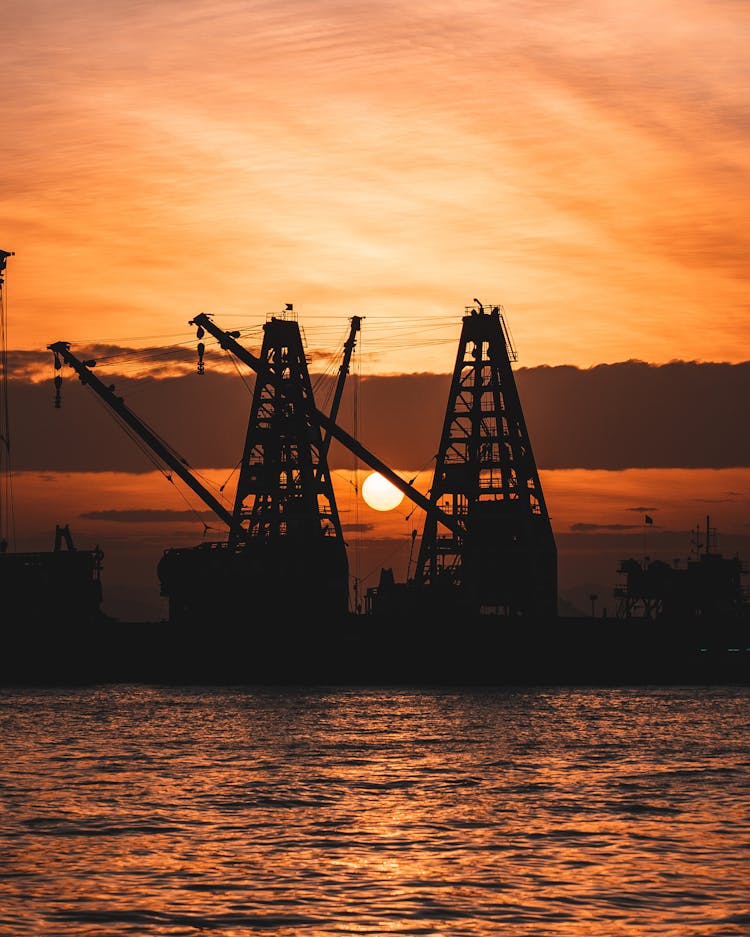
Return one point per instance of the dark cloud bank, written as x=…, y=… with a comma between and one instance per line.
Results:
x=616, y=416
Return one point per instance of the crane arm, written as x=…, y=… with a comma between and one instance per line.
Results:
x=343, y=371
x=229, y=343
x=61, y=350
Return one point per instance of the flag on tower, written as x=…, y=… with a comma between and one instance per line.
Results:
x=649, y=520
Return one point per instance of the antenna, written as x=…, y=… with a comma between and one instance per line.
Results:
x=7, y=524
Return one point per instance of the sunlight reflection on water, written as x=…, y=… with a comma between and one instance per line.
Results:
x=145, y=810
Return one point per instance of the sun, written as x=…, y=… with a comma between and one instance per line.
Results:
x=380, y=494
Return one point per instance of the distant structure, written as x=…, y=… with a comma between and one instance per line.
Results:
x=708, y=588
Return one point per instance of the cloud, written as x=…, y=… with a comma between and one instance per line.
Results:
x=148, y=516
x=583, y=528
x=635, y=415
x=613, y=417
x=596, y=166
x=357, y=528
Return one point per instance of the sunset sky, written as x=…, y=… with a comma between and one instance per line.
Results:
x=584, y=164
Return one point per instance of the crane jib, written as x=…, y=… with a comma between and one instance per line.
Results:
x=116, y=403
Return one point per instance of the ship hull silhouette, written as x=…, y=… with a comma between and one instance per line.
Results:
x=368, y=650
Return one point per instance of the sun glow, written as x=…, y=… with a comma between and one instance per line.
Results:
x=380, y=494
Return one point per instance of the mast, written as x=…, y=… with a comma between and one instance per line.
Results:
x=343, y=371
x=7, y=525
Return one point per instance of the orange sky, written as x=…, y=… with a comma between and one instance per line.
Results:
x=583, y=164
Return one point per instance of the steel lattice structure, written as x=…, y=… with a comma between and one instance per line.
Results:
x=505, y=560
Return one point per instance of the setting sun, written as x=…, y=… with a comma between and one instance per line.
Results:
x=380, y=494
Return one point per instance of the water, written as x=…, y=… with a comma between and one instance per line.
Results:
x=239, y=811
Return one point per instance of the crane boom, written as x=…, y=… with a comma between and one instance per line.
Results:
x=86, y=376
x=229, y=343
x=343, y=371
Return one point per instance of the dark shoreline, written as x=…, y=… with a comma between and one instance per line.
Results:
x=363, y=650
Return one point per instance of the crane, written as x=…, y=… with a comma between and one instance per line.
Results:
x=228, y=342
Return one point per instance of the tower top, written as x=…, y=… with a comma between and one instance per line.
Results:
x=485, y=311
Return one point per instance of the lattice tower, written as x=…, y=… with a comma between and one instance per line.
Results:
x=284, y=488
x=486, y=475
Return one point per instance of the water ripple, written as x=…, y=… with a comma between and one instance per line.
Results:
x=547, y=813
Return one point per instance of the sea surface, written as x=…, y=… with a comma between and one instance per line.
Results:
x=147, y=810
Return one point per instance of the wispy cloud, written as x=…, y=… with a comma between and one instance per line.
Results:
x=585, y=164
x=148, y=516
x=614, y=417
x=583, y=528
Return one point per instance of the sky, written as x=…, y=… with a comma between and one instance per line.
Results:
x=583, y=164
